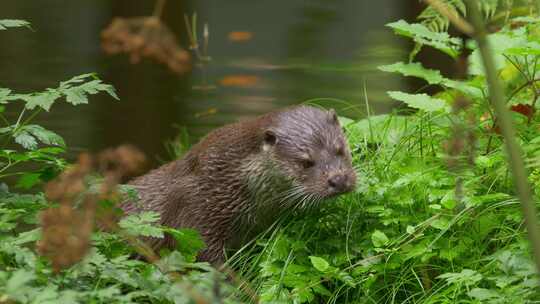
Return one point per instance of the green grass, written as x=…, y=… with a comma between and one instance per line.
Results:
x=404, y=236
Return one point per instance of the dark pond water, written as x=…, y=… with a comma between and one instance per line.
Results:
x=298, y=50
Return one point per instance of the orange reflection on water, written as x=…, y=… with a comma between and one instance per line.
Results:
x=239, y=36
x=239, y=81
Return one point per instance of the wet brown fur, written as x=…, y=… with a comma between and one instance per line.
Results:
x=208, y=189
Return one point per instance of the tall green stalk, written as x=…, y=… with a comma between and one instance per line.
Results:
x=507, y=129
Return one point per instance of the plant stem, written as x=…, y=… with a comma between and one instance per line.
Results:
x=513, y=149
x=4, y=120
x=192, y=35
x=158, y=9
x=19, y=120
x=526, y=84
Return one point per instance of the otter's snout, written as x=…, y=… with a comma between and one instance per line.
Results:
x=342, y=182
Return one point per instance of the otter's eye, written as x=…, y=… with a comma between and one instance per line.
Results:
x=307, y=163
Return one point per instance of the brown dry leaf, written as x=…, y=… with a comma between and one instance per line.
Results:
x=145, y=37
x=67, y=228
x=123, y=161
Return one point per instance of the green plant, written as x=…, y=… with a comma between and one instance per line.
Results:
x=77, y=264
x=434, y=218
x=493, y=11
x=40, y=145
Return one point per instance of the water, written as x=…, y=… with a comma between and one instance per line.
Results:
x=299, y=50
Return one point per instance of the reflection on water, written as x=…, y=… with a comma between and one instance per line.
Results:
x=265, y=55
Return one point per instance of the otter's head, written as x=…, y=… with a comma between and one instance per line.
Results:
x=308, y=146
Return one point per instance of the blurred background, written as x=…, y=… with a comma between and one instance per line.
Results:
x=264, y=55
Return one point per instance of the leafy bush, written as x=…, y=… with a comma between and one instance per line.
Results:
x=106, y=269
x=434, y=218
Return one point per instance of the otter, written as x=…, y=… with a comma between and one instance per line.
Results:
x=244, y=175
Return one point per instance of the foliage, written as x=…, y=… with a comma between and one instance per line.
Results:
x=178, y=146
x=492, y=10
x=423, y=36
x=7, y=23
x=109, y=271
x=40, y=145
x=434, y=218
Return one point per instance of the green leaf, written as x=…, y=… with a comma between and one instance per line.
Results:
x=45, y=136
x=4, y=93
x=464, y=88
x=188, y=242
x=28, y=236
x=175, y=261
x=107, y=294
x=43, y=100
x=319, y=263
x=7, y=23
x=28, y=180
x=303, y=295
x=379, y=239
x=449, y=200
x=142, y=224
x=345, y=121
x=29, y=135
x=129, y=192
x=528, y=48
x=483, y=294
x=466, y=276
x=77, y=79
x=440, y=223
x=420, y=101
x=26, y=140
x=424, y=36
x=268, y=268
x=432, y=19
x=435, y=206
x=415, y=70
x=320, y=289
x=19, y=280
x=76, y=93
x=485, y=162
x=500, y=43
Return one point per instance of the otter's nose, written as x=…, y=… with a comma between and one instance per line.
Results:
x=340, y=183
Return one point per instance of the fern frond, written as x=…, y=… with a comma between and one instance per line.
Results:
x=436, y=22
x=433, y=20
x=489, y=7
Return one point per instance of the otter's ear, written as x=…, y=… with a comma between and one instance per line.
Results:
x=270, y=138
x=333, y=116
